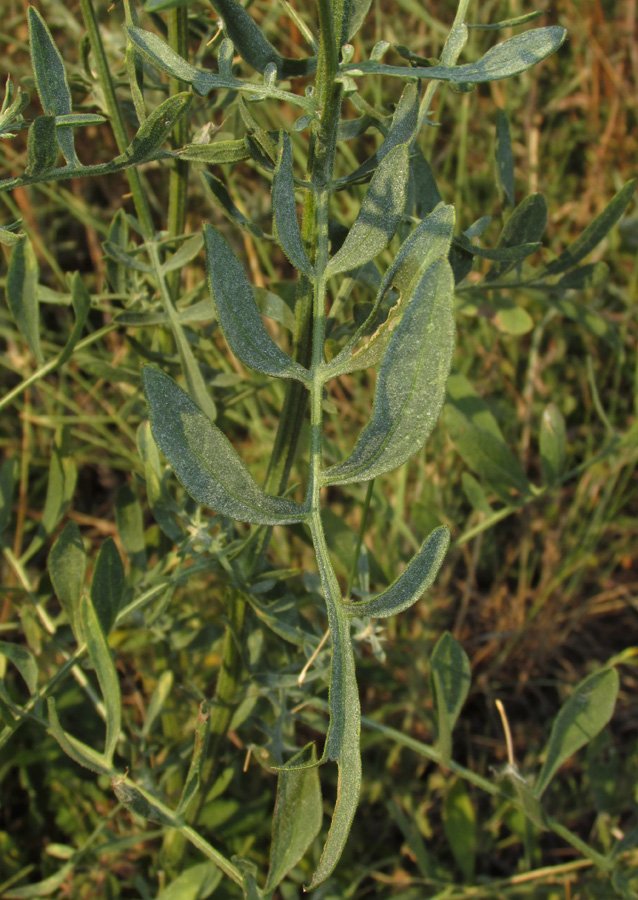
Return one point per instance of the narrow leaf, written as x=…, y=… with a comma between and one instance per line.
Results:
x=67, y=565
x=50, y=79
x=526, y=225
x=479, y=440
x=192, y=783
x=450, y=677
x=78, y=751
x=187, y=252
x=524, y=795
x=580, y=719
x=24, y=661
x=122, y=258
x=504, y=156
x=100, y=656
x=217, y=153
x=81, y=301
x=118, y=236
x=130, y=525
x=158, y=52
x=296, y=820
x=8, y=237
x=158, y=700
x=459, y=824
x=411, y=385
x=163, y=508
x=142, y=803
x=156, y=128
x=417, y=577
x=553, y=443
x=8, y=481
x=584, y=277
x=199, y=881
x=238, y=315
x=595, y=231
x=42, y=146
x=108, y=584
x=285, y=211
x=22, y=294
x=379, y=216
x=42, y=888
x=218, y=193
x=510, y=57
x=204, y=460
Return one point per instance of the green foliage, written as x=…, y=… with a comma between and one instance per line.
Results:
x=329, y=193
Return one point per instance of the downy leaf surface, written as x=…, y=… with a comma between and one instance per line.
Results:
x=417, y=577
x=379, y=216
x=579, y=720
x=411, y=385
x=51, y=81
x=285, y=211
x=510, y=57
x=42, y=146
x=204, y=460
x=156, y=128
x=450, y=677
x=22, y=294
x=238, y=315
x=108, y=585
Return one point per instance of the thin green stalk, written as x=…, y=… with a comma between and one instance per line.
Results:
x=362, y=528
x=178, y=179
x=115, y=114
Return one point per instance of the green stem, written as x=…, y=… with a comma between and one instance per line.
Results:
x=115, y=113
x=362, y=528
x=178, y=182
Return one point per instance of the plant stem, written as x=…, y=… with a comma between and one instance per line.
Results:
x=178, y=182
x=115, y=113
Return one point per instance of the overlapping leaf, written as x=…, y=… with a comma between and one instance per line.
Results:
x=285, y=211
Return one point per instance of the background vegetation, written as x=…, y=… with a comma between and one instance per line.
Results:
x=539, y=597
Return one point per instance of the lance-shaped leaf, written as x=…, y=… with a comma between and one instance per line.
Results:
x=219, y=195
x=217, y=153
x=50, y=79
x=594, y=233
x=526, y=225
x=22, y=294
x=504, y=156
x=402, y=129
x=107, y=585
x=379, y=216
x=24, y=661
x=205, y=461
x=417, y=577
x=296, y=821
x=67, y=565
x=411, y=385
x=42, y=146
x=342, y=740
x=238, y=315
x=508, y=58
x=478, y=439
x=104, y=666
x=553, y=443
x=358, y=11
x=77, y=750
x=580, y=719
x=450, y=680
x=60, y=488
x=81, y=302
x=192, y=783
x=156, y=128
x=253, y=47
x=285, y=211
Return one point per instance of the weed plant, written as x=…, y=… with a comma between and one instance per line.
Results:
x=150, y=709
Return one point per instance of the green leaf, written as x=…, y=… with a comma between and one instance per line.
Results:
x=478, y=439
x=8, y=237
x=42, y=146
x=510, y=57
x=417, y=577
x=426, y=193
x=77, y=120
x=158, y=700
x=142, y=803
x=156, y=128
x=379, y=216
x=584, y=277
x=163, y=508
x=218, y=153
x=524, y=796
x=154, y=49
x=553, y=443
x=526, y=225
x=67, y=565
x=510, y=23
x=411, y=385
x=580, y=719
x=22, y=294
x=130, y=525
x=586, y=317
x=238, y=315
x=220, y=197
x=118, y=236
x=429, y=241
x=12, y=107
x=594, y=233
x=187, y=252
x=122, y=258
x=42, y=888
x=192, y=783
x=450, y=677
x=78, y=751
x=285, y=211
x=100, y=655
x=8, y=481
x=459, y=824
x=199, y=881
x=50, y=79
x=504, y=156
x=204, y=460
x=60, y=488
x=81, y=301
x=24, y=661
x=296, y=820
x=108, y=584
x=402, y=130
x=358, y=11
